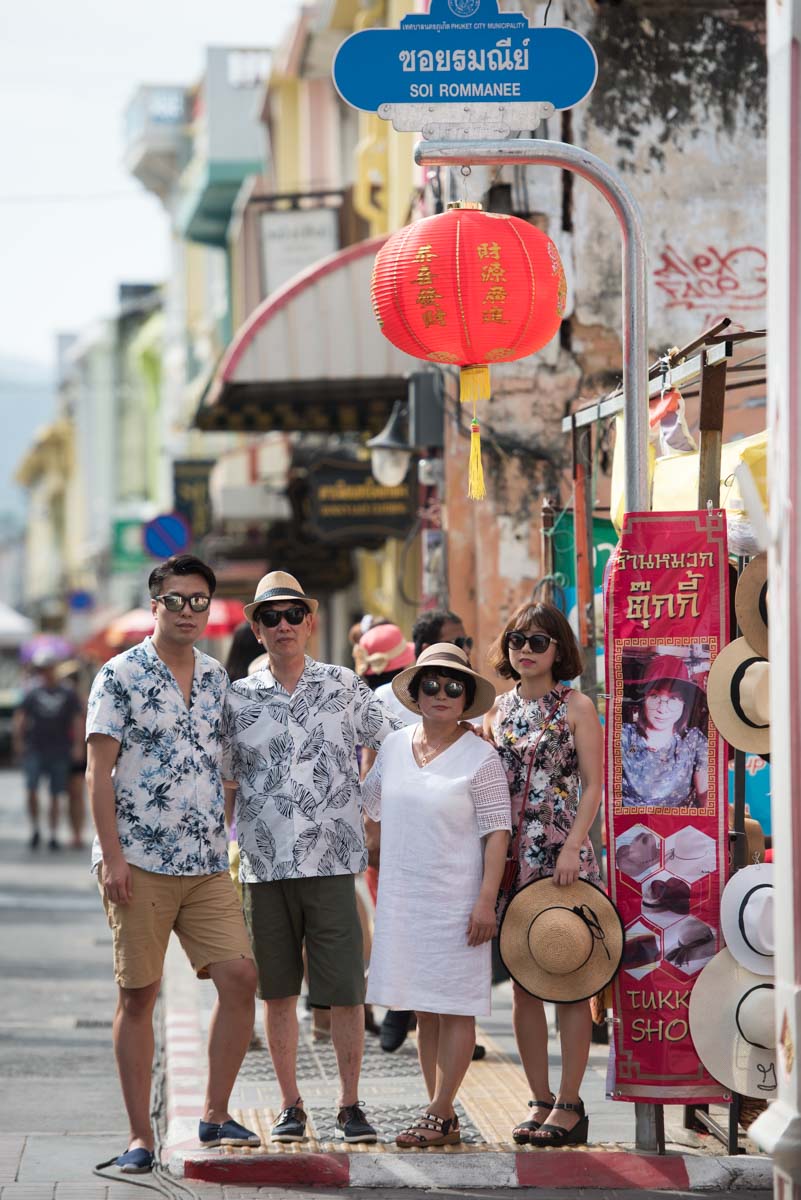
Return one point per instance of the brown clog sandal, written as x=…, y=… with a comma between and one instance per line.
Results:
x=521, y=1134
x=445, y=1132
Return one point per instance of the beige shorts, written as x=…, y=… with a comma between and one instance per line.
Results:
x=203, y=910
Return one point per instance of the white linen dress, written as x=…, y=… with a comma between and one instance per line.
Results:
x=433, y=820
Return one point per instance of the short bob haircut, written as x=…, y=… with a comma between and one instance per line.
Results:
x=434, y=671
x=547, y=617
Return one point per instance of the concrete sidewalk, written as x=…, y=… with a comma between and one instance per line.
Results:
x=492, y=1099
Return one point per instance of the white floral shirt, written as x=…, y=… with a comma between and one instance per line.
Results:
x=298, y=805
x=167, y=779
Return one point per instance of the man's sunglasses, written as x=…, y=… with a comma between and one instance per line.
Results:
x=175, y=602
x=272, y=617
x=453, y=687
x=464, y=643
x=539, y=642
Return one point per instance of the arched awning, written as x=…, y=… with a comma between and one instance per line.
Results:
x=311, y=357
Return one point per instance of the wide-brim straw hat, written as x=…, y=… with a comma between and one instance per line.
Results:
x=561, y=943
x=381, y=649
x=746, y=917
x=279, y=585
x=445, y=654
x=751, y=604
x=738, y=692
x=732, y=1025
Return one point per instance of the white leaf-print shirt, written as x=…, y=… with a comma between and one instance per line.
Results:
x=167, y=779
x=298, y=804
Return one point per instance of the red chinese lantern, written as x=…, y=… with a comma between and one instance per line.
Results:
x=470, y=288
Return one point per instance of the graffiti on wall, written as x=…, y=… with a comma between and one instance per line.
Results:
x=714, y=281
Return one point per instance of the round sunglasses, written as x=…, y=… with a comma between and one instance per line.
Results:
x=175, y=602
x=272, y=617
x=453, y=687
x=539, y=642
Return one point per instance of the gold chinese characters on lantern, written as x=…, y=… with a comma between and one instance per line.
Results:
x=469, y=288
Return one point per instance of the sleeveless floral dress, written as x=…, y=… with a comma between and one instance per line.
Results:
x=555, y=785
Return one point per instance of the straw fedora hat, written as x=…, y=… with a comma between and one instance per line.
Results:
x=732, y=1025
x=746, y=917
x=738, y=691
x=382, y=648
x=561, y=943
x=445, y=654
x=279, y=585
x=751, y=604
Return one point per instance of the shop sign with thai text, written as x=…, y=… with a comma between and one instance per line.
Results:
x=346, y=503
x=465, y=50
x=667, y=612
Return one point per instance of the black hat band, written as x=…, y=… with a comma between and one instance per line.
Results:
x=734, y=689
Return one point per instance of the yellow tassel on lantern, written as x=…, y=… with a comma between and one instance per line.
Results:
x=475, y=471
x=474, y=384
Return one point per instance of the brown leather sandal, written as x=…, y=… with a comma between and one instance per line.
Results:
x=521, y=1134
x=445, y=1131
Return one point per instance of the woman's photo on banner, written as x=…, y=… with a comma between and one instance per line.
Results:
x=664, y=737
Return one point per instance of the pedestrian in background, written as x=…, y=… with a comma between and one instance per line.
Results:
x=71, y=674
x=291, y=733
x=549, y=740
x=47, y=730
x=154, y=732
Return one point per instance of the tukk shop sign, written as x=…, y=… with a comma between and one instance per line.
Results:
x=465, y=50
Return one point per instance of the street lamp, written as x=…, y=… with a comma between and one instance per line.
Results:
x=390, y=452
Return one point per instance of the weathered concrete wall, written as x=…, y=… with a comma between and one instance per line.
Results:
x=679, y=110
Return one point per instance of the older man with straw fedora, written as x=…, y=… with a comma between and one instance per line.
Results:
x=291, y=731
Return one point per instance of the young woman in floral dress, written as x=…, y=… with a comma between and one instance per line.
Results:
x=549, y=739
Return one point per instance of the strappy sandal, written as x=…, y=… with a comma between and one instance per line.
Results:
x=521, y=1134
x=555, y=1135
x=445, y=1130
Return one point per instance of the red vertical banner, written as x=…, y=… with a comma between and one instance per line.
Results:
x=667, y=614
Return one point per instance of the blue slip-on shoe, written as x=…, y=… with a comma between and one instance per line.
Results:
x=229, y=1133
x=136, y=1162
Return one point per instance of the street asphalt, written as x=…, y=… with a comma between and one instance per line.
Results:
x=60, y=1107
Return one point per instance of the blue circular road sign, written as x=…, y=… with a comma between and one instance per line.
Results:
x=166, y=535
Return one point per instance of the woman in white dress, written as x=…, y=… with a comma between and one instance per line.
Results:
x=442, y=799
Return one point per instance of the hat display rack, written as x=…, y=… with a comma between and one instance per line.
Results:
x=748, y=645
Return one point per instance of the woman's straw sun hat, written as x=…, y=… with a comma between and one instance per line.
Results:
x=561, y=943
x=445, y=654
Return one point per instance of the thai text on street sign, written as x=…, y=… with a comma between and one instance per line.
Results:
x=667, y=616
x=465, y=50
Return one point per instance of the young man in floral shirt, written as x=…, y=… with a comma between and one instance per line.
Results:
x=291, y=733
x=154, y=757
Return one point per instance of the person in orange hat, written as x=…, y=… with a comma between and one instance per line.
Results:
x=665, y=752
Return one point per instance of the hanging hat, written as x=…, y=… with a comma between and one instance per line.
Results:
x=639, y=854
x=746, y=917
x=732, y=1025
x=754, y=839
x=751, y=604
x=382, y=648
x=561, y=943
x=738, y=691
x=690, y=853
x=279, y=585
x=670, y=895
x=445, y=654
x=667, y=670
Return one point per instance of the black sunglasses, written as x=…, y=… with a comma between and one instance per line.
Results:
x=464, y=643
x=175, y=602
x=539, y=642
x=453, y=687
x=272, y=617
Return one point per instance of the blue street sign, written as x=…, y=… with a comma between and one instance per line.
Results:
x=166, y=535
x=465, y=50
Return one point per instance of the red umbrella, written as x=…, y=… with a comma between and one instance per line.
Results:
x=224, y=616
x=131, y=627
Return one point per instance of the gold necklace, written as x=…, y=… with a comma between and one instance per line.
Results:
x=425, y=759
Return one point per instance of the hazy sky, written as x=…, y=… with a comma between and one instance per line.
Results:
x=73, y=222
